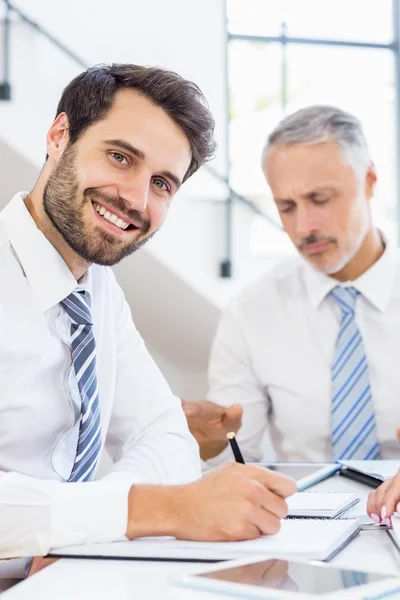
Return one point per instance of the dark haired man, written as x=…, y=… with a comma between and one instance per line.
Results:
x=75, y=376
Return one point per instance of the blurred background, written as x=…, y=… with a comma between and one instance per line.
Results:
x=256, y=61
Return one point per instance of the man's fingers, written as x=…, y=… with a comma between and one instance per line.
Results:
x=274, y=504
x=204, y=413
x=233, y=418
x=264, y=498
x=267, y=523
x=203, y=409
x=190, y=409
x=235, y=411
x=280, y=484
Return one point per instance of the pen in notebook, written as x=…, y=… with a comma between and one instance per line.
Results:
x=235, y=448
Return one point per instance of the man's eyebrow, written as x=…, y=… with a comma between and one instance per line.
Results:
x=318, y=190
x=310, y=194
x=175, y=180
x=123, y=145
x=283, y=200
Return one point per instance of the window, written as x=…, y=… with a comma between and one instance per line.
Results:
x=355, y=20
x=269, y=79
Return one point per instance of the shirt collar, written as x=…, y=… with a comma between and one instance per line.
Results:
x=375, y=284
x=48, y=275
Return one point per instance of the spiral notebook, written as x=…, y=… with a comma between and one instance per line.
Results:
x=320, y=504
x=319, y=539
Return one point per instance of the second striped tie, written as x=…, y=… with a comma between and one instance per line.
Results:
x=354, y=434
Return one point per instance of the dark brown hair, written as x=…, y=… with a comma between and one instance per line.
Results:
x=89, y=97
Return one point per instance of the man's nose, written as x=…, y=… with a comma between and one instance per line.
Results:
x=136, y=192
x=305, y=222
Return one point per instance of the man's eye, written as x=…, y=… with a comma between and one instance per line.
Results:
x=286, y=209
x=118, y=157
x=160, y=183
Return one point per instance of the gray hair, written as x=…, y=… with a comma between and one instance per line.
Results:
x=316, y=124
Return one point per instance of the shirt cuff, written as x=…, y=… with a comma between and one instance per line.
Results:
x=14, y=568
x=87, y=513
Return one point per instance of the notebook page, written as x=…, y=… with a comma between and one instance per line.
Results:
x=396, y=528
x=313, y=538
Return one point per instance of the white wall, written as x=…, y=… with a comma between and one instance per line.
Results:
x=184, y=35
x=180, y=35
x=17, y=173
x=173, y=318
x=189, y=37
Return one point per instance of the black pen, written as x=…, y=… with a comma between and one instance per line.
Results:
x=235, y=448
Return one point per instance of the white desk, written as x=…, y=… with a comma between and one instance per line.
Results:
x=74, y=579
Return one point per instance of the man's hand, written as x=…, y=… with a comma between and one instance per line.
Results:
x=209, y=423
x=233, y=502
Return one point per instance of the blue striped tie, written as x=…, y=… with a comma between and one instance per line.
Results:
x=83, y=348
x=354, y=434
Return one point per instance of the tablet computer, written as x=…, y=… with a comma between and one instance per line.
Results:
x=305, y=474
x=283, y=579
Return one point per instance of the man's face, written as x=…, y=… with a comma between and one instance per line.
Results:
x=323, y=207
x=110, y=191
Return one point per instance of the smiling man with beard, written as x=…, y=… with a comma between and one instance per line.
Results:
x=309, y=353
x=67, y=215
x=75, y=376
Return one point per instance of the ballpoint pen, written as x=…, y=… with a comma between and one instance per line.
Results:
x=235, y=448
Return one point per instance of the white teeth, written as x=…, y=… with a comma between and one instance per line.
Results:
x=111, y=217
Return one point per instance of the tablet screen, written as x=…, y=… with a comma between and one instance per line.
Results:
x=295, y=471
x=300, y=577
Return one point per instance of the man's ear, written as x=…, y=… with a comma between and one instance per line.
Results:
x=58, y=137
x=370, y=181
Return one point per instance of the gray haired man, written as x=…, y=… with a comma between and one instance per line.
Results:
x=309, y=354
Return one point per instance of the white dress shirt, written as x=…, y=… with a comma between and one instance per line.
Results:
x=273, y=353
x=143, y=426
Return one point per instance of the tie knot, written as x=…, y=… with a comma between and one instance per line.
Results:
x=345, y=297
x=76, y=305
